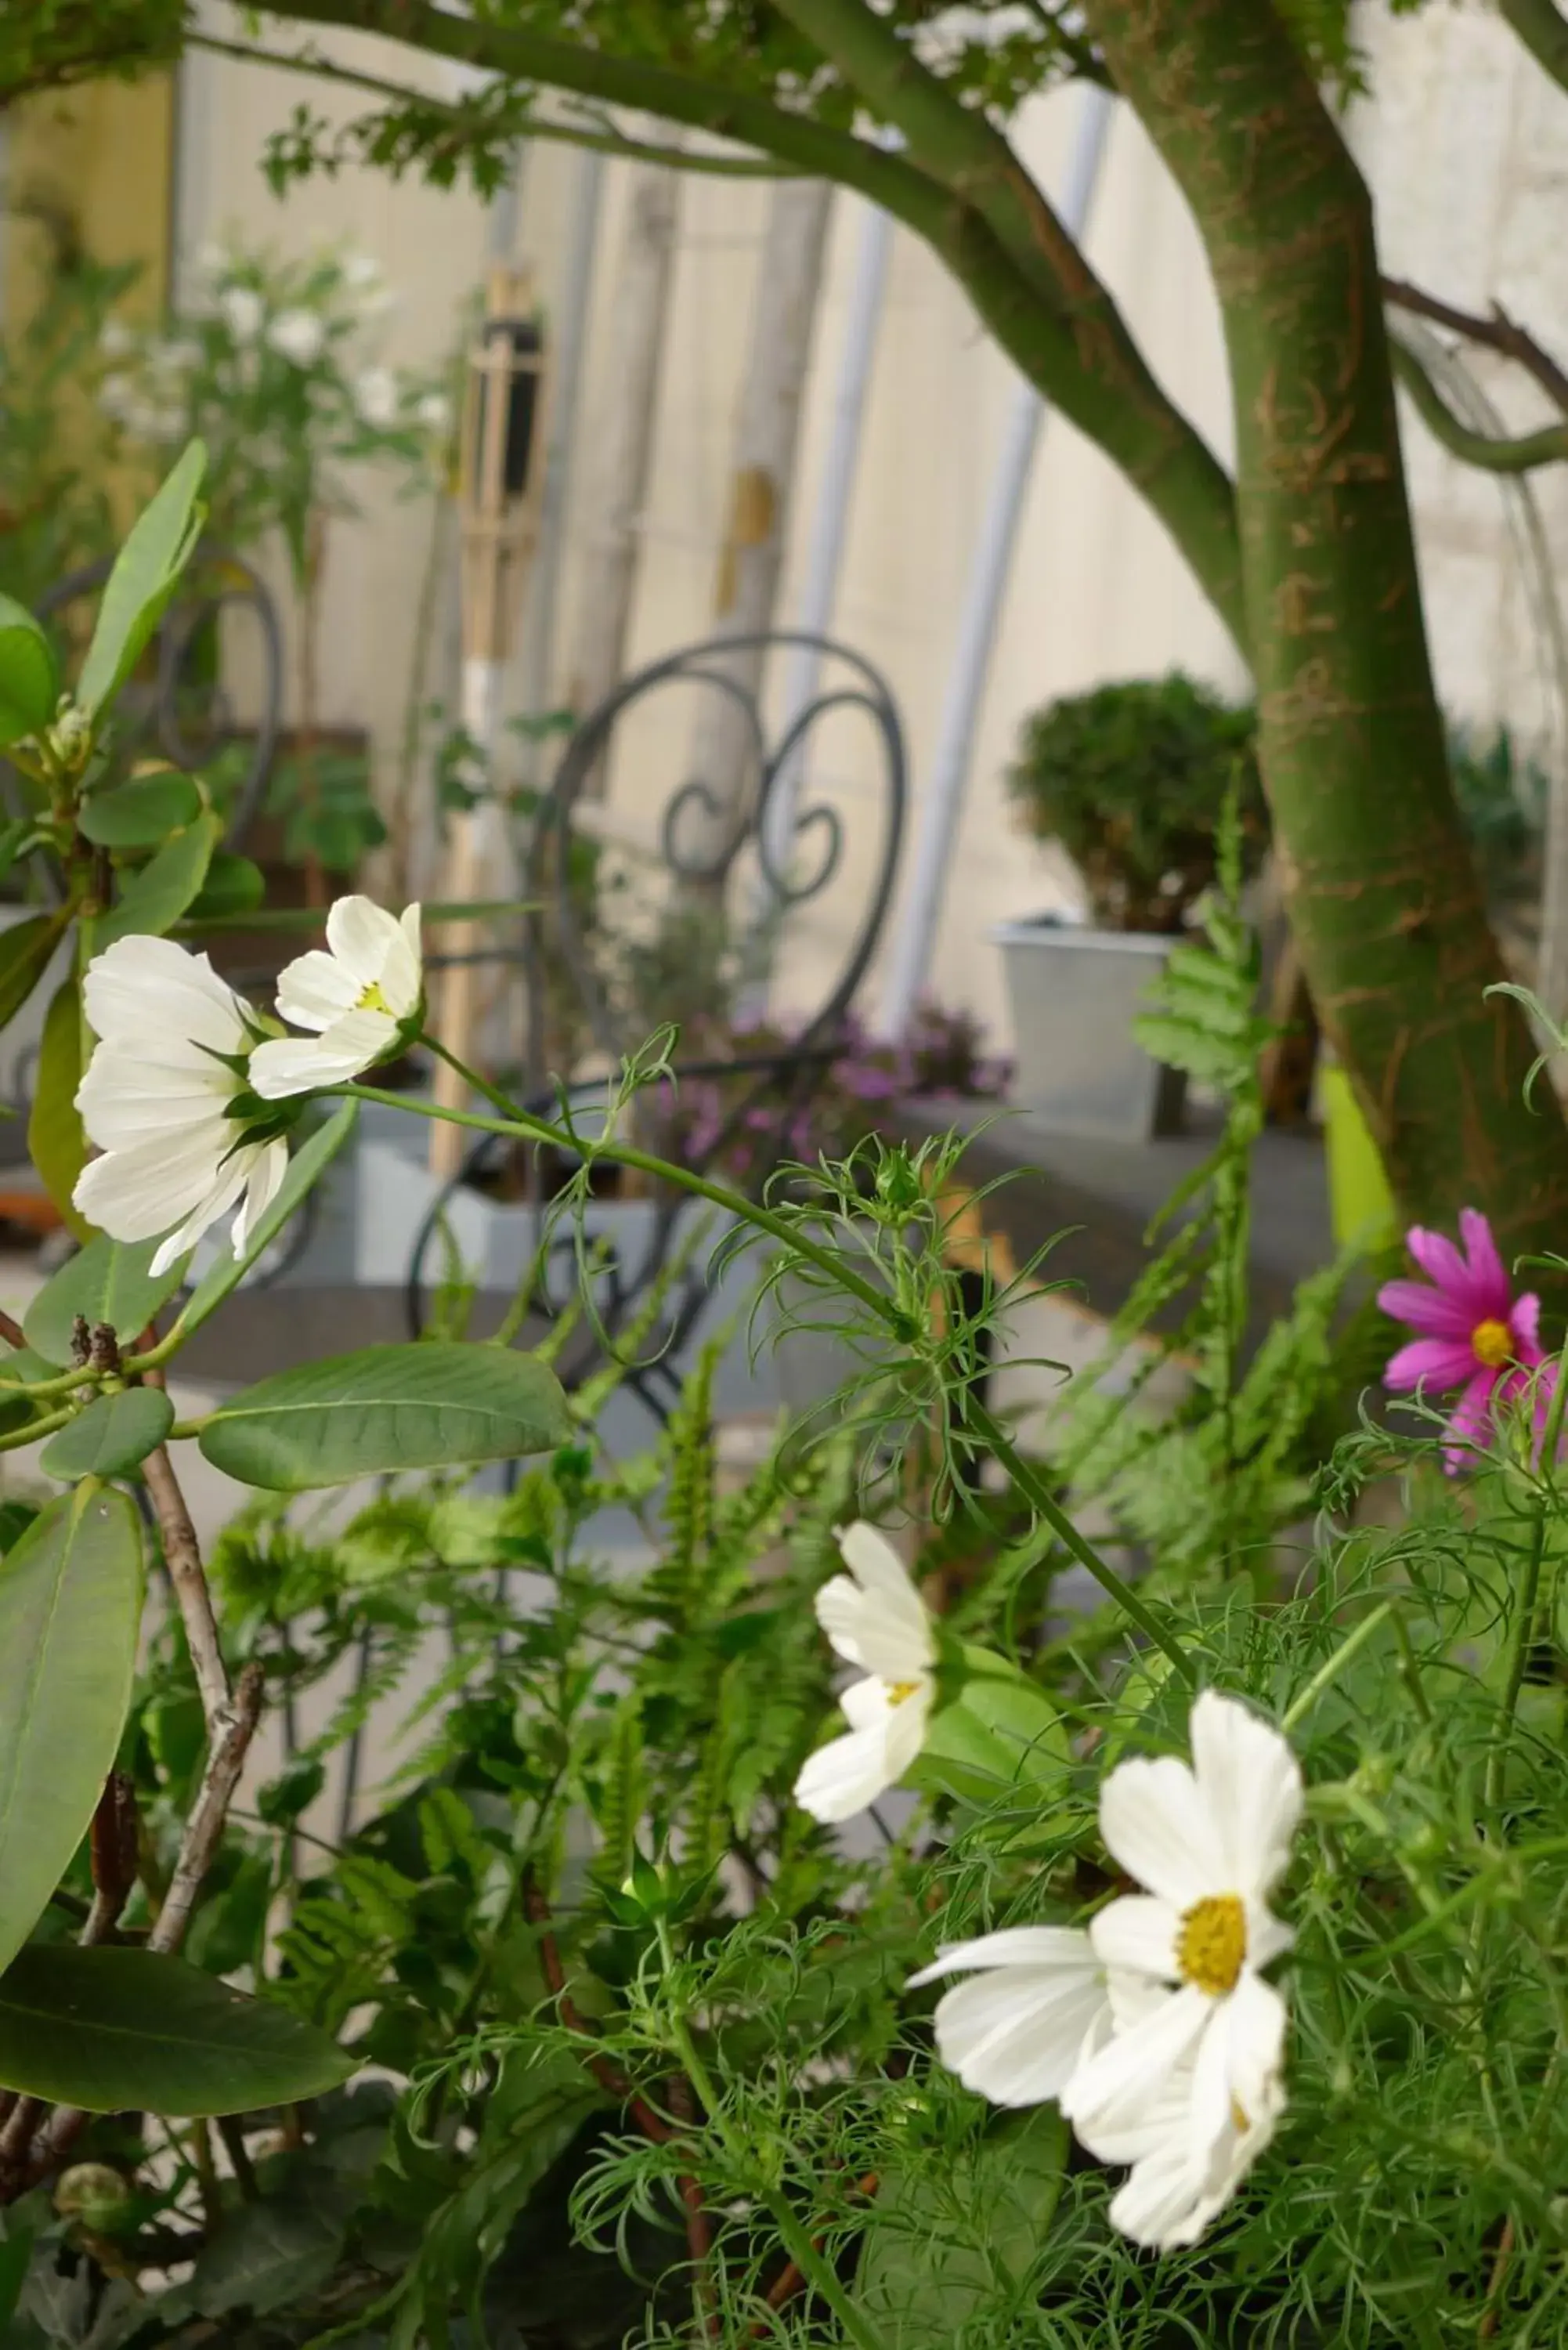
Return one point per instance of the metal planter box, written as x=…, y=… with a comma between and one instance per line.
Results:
x=1075, y=993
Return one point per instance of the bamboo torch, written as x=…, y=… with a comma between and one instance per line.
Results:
x=500, y=477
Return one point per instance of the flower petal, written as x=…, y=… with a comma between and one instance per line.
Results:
x=286, y=1066
x=1524, y=1323
x=1066, y=1947
x=1441, y=1262
x=261, y=1190
x=841, y=1778
x=138, y=1192
x=1156, y=1823
x=361, y=935
x=1431, y=1311
x=1113, y=2091
x=1017, y=2035
x=1251, y=1783
x=874, y=1616
x=1470, y=1424
x=1437, y=1364
x=1488, y=1275
x=141, y=988
x=403, y=974
x=314, y=989
x=217, y=1201
x=1137, y=1933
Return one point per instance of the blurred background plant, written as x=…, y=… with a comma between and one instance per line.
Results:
x=1131, y=780
x=277, y=366
x=1502, y=792
x=55, y=446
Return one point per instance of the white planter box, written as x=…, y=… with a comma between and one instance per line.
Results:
x=1074, y=995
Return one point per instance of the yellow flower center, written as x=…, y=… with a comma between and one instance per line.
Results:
x=1212, y=1943
x=370, y=999
x=1491, y=1343
x=1241, y=2120
x=898, y=1692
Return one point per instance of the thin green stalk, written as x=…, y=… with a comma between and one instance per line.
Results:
x=625, y=1154
x=1521, y=1633
x=1036, y=1490
x=1326, y=1674
x=30, y=1434
x=796, y=2239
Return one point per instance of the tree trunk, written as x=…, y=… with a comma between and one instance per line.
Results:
x=751, y=561
x=1381, y=886
x=623, y=437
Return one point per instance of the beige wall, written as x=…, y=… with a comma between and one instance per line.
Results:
x=1465, y=150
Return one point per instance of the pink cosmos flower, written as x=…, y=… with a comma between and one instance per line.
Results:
x=1475, y=1334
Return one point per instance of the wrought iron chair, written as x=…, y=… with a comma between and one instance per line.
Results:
x=733, y=868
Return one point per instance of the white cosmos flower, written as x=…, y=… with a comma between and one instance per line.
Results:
x=1187, y=2163
x=361, y=271
x=361, y=998
x=376, y=395
x=1209, y=1843
x=243, y=311
x=156, y=1100
x=434, y=411
x=298, y=335
x=1037, y=2007
x=116, y=340
x=874, y=1618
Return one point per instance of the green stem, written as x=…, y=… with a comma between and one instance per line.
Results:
x=1521, y=1633
x=35, y=1429
x=625, y=1154
x=1328, y=1673
x=796, y=2239
x=1038, y=1493
x=1520, y=454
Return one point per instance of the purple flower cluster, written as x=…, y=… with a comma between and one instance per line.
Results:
x=804, y=1110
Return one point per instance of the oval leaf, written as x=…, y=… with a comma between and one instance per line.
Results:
x=25, y=951
x=146, y=573
x=29, y=683
x=108, y=1281
x=110, y=1436
x=55, y=1138
x=227, y=1271
x=142, y=811
x=233, y=886
x=386, y=1409
x=70, y=1604
x=153, y=899
x=116, y=2031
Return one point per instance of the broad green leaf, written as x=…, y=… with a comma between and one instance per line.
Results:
x=70, y=1606
x=233, y=886
x=386, y=1408
x=55, y=1141
x=267, y=2255
x=942, y=2243
x=110, y=1436
x=142, y=811
x=115, y=2031
x=29, y=682
x=226, y=1272
x=146, y=573
x=25, y=951
x=16, y=2259
x=16, y=1517
x=1001, y=1731
x=108, y=1281
x=153, y=899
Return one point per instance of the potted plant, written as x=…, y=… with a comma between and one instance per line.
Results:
x=1130, y=779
